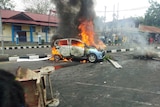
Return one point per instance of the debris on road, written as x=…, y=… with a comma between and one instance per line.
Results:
x=35, y=84
x=115, y=64
x=147, y=55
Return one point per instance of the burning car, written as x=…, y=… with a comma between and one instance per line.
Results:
x=75, y=48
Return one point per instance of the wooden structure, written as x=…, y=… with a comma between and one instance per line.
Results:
x=34, y=84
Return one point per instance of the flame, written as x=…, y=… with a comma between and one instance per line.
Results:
x=79, y=44
x=83, y=61
x=87, y=34
x=54, y=52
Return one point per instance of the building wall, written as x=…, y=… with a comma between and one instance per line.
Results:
x=8, y=34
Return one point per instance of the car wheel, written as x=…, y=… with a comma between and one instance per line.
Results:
x=92, y=58
x=57, y=58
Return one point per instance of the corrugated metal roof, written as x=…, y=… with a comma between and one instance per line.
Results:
x=8, y=13
x=29, y=22
x=37, y=19
x=149, y=29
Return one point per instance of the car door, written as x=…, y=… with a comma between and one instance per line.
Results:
x=77, y=48
x=63, y=47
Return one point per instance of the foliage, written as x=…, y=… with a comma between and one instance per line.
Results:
x=6, y=4
x=38, y=6
x=138, y=20
x=152, y=16
x=108, y=56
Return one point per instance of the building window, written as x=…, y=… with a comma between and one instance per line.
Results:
x=45, y=29
x=17, y=27
x=33, y=29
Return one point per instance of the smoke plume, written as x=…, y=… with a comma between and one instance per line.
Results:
x=71, y=13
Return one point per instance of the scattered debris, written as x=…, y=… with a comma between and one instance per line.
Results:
x=147, y=55
x=114, y=63
x=34, y=83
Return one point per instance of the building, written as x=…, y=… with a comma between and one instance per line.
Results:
x=122, y=26
x=151, y=32
x=28, y=26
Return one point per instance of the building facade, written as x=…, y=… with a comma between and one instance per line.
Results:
x=27, y=27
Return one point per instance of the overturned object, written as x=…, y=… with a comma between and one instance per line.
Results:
x=34, y=84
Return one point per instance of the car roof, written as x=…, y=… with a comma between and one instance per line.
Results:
x=69, y=39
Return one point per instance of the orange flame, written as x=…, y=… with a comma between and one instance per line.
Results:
x=87, y=34
x=54, y=51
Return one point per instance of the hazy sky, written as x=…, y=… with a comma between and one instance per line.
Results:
x=124, y=8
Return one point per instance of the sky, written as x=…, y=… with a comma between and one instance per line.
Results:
x=122, y=8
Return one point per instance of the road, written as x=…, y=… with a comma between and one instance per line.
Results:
x=101, y=84
x=22, y=52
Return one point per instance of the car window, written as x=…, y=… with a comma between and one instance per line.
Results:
x=77, y=43
x=62, y=42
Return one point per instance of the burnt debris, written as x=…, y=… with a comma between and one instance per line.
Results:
x=147, y=55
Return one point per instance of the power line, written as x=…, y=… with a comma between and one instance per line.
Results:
x=139, y=8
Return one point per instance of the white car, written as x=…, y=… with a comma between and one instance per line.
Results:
x=75, y=48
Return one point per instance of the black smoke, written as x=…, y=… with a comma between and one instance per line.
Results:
x=71, y=13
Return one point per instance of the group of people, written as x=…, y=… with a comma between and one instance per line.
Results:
x=11, y=91
x=115, y=39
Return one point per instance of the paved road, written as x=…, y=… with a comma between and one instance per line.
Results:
x=101, y=84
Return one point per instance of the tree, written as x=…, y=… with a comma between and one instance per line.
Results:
x=38, y=6
x=6, y=4
x=152, y=16
x=138, y=21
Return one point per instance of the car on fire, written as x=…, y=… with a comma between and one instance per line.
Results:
x=75, y=48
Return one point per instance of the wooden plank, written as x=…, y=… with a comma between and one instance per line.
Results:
x=114, y=63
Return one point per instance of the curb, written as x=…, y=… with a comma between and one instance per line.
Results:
x=120, y=50
x=4, y=57
x=15, y=58
x=25, y=47
x=33, y=56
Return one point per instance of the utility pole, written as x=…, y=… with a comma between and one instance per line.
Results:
x=1, y=34
x=117, y=18
x=105, y=19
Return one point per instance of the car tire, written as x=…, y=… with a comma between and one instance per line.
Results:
x=92, y=58
x=57, y=58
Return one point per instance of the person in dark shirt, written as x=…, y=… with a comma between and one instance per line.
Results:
x=11, y=91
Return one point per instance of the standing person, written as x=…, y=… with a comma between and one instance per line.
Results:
x=151, y=40
x=11, y=91
x=116, y=39
x=39, y=39
x=17, y=39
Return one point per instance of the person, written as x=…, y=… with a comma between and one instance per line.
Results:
x=151, y=40
x=11, y=91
